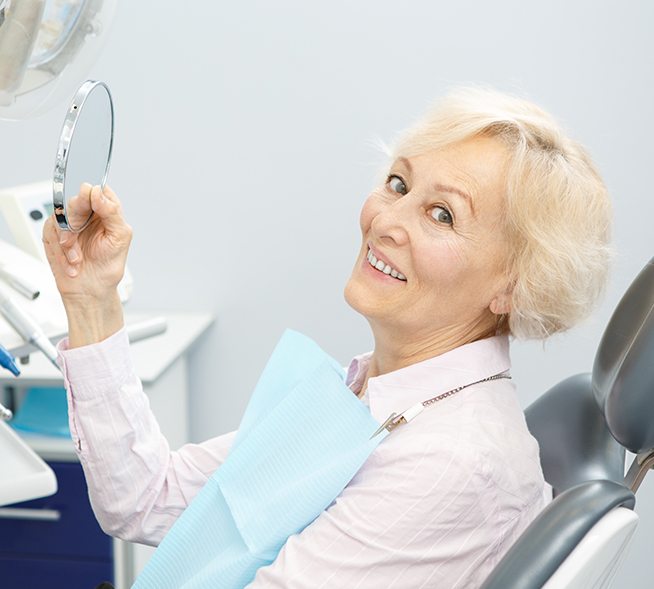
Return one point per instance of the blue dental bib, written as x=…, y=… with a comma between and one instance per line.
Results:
x=303, y=437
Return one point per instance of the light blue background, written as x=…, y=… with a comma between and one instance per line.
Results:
x=245, y=148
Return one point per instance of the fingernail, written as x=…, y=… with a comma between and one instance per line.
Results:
x=71, y=271
x=73, y=256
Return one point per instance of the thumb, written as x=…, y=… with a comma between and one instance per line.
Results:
x=108, y=210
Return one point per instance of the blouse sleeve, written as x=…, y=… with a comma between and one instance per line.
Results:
x=138, y=487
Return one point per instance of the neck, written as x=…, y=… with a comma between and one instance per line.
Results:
x=396, y=348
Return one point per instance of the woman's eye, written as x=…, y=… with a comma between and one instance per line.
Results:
x=396, y=184
x=442, y=215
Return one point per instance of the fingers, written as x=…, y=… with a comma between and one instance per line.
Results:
x=107, y=235
x=59, y=256
x=78, y=211
x=69, y=245
x=107, y=207
x=110, y=194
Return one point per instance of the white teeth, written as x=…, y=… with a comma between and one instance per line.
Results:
x=383, y=266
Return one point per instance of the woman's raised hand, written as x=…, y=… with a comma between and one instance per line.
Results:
x=88, y=265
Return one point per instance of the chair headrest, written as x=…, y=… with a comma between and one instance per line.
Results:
x=623, y=372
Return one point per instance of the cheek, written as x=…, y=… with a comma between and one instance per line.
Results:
x=442, y=264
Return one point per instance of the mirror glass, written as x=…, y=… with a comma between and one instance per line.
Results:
x=84, y=154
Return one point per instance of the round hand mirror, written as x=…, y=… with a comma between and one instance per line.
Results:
x=84, y=154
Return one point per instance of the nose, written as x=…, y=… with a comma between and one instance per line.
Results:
x=391, y=225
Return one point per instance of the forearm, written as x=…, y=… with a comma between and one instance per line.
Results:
x=138, y=487
x=92, y=320
x=126, y=463
x=117, y=438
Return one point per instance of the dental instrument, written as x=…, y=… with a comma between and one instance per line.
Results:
x=26, y=327
x=5, y=414
x=146, y=328
x=18, y=283
x=8, y=361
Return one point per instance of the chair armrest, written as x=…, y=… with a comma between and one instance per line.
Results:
x=554, y=534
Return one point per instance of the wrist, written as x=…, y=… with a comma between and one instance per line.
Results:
x=92, y=320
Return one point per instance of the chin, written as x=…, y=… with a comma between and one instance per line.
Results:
x=361, y=299
x=355, y=295
x=350, y=293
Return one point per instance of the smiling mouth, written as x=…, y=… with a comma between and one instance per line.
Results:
x=383, y=267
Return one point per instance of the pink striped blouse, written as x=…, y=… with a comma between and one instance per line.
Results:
x=436, y=505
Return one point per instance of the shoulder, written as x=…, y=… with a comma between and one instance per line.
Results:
x=425, y=467
x=488, y=420
x=477, y=439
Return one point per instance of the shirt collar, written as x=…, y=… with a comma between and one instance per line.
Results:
x=400, y=389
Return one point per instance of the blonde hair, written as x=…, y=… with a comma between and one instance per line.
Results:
x=558, y=214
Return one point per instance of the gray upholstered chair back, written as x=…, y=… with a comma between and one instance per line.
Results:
x=584, y=423
x=575, y=443
x=623, y=373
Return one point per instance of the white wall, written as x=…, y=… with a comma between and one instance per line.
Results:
x=244, y=151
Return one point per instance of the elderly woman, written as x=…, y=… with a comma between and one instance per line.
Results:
x=490, y=223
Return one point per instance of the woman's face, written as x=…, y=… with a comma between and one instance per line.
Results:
x=434, y=234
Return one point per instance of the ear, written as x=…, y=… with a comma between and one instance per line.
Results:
x=501, y=304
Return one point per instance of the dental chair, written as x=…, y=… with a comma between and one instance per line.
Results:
x=583, y=426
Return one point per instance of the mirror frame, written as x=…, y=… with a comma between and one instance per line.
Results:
x=63, y=150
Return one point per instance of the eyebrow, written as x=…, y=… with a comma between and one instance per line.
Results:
x=443, y=187
x=453, y=190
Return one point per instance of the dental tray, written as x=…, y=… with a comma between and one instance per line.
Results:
x=25, y=475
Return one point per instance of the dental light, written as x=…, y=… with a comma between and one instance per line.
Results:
x=46, y=49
